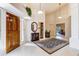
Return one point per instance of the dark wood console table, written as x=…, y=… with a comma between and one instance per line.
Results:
x=47, y=34
x=34, y=36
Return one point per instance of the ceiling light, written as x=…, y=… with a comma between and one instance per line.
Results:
x=59, y=11
x=40, y=10
x=59, y=17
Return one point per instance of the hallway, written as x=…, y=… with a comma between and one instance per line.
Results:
x=43, y=23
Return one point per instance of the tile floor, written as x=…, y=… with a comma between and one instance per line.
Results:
x=30, y=49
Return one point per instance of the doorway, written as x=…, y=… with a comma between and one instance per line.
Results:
x=12, y=32
x=60, y=30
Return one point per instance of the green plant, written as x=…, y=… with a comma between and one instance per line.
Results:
x=28, y=11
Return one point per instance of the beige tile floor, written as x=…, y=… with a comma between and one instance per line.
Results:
x=30, y=49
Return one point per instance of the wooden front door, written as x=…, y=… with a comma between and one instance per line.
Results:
x=12, y=32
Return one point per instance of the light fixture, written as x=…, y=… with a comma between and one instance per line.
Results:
x=40, y=11
x=59, y=17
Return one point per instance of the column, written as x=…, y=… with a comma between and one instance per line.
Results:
x=74, y=40
x=3, y=29
x=27, y=29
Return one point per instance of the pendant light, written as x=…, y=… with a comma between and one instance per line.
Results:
x=59, y=17
x=40, y=10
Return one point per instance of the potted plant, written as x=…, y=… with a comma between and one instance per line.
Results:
x=29, y=12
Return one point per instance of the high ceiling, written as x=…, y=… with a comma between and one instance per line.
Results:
x=47, y=7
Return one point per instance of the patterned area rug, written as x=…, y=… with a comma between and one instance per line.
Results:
x=51, y=45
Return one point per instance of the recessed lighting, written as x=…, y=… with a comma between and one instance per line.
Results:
x=59, y=17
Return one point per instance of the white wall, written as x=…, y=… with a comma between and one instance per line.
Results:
x=3, y=29
x=0, y=29
x=22, y=40
x=27, y=30
x=74, y=40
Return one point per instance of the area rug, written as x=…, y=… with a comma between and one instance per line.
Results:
x=51, y=45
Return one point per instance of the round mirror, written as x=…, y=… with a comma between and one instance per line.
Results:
x=34, y=26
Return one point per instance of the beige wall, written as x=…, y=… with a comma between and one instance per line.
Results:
x=50, y=24
x=64, y=12
x=52, y=20
x=68, y=27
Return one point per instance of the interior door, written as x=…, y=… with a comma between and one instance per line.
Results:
x=12, y=32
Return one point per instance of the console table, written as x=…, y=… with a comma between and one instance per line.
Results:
x=34, y=36
x=47, y=34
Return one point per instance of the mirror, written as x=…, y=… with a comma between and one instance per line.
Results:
x=34, y=26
